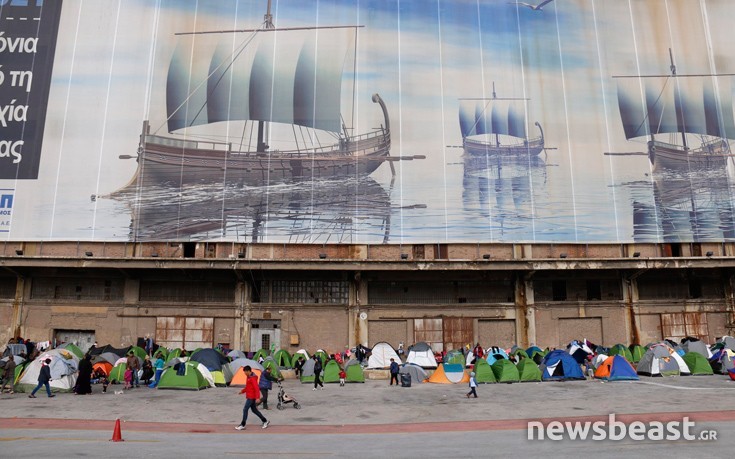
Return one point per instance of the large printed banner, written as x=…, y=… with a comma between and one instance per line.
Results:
x=367, y=121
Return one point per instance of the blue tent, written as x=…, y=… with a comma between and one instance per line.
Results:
x=616, y=368
x=558, y=365
x=533, y=349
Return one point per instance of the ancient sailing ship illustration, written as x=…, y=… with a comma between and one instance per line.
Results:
x=264, y=79
x=687, y=119
x=497, y=126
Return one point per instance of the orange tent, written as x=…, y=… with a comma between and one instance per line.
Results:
x=104, y=366
x=239, y=379
x=440, y=376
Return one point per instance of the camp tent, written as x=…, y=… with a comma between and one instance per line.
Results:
x=449, y=373
x=353, y=372
x=301, y=352
x=484, y=372
x=72, y=348
x=242, y=362
x=239, y=378
x=138, y=351
x=417, y=373
x=661, y=360
x=216, y=364
x=381, y=355
x=104, y=366
x=282, y=358
x=621, y=349
x=64, y=365
x=260, y=353
x=192, y=379
x=519, y=354
x=579, y=350
x=108, y=357
x=307, y=371
x=421, y=354
x=454, y=356
x=496, y=353
x=697, y=364
x=322, y=355
x=331, y=372
x=616, y=368
x=636, y=352
x=117, y=373
x=559, y=365
x=175, y=353
x=528, y=371
x=505, y=371
x=722, y=361
x=533, y=349
x=235, y=354
x=695, y=345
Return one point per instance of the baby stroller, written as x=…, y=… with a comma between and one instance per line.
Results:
x=284, y=399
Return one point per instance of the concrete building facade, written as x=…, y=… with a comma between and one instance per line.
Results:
x=247, y=296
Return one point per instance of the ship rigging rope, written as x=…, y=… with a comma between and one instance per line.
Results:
x=235, y=55
x=654, y=104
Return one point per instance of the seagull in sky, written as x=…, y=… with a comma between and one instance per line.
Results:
x=538, y=7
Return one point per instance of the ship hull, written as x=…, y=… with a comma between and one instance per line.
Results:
x=668, y=157
x=531, y=148
x=163, y=160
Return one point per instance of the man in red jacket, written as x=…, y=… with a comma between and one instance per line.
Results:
x=252, y=395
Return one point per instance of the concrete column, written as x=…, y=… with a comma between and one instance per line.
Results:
x=243, y=312
x=15, y=328
x=525, y=311
x=358, y=327
x=630, y=297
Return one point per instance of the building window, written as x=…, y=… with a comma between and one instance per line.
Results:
x=307, y=292
x=558, y=290
x=594, y=290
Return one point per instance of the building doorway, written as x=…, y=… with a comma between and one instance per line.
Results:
x=83, y=339
x=264, y=333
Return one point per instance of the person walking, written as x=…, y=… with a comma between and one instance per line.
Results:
x=317, y=372
x=44, y=378
x=473, y=385
x=393, y=372
x=266, y=383
x=8, y=375
x=252, y=398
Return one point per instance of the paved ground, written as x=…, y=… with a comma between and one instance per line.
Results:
x=425, y=420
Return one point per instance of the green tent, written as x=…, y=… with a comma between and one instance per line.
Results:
x=261, y=353
x=296, y=357
x=636, y=352
x=117, y=374
x=138, y=351
x=322, y=356
x=174, y=354
x=455, y=357
x=354, y=372
x=528, y=370
x=697, y=363
x=283, y=358
x=622, y=349
x=192, y=379
x=484, y=372
x=270, y=362
x=520, y=353
x=71, y=347
x=331, y=372
x=19, y=369
x=164, y=353
x=505, y=371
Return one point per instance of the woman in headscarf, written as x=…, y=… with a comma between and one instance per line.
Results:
x=84, y=385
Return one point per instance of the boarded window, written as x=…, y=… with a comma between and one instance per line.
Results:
x=392, y=332
x=185, y=332
x=500, y=333
x=441, y=292
x=7, y=288
x=458, y=332
x=429, y=331
x=589, y=328
x=187, y=292
x=679, y=325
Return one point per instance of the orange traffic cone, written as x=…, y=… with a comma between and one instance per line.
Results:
x=116, y=434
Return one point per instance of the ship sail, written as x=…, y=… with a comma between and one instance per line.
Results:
x=493, y=116
x=291, y=77
x=667, y=105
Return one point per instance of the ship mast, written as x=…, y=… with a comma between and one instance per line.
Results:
x=497, y=138
x=268, y=24
x=673, y=73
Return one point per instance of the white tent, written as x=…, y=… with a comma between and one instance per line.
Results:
x=421, y=355
x=381, y=355
x=205, y=373
x=64, y=365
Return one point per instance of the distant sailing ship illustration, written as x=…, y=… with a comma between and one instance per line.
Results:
x=688, y=119
x=497, y=126
x=285, y=77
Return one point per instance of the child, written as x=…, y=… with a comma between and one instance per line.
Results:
x=102, y=379
x=128, y=378
x=342, y=376
x=473, y=385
